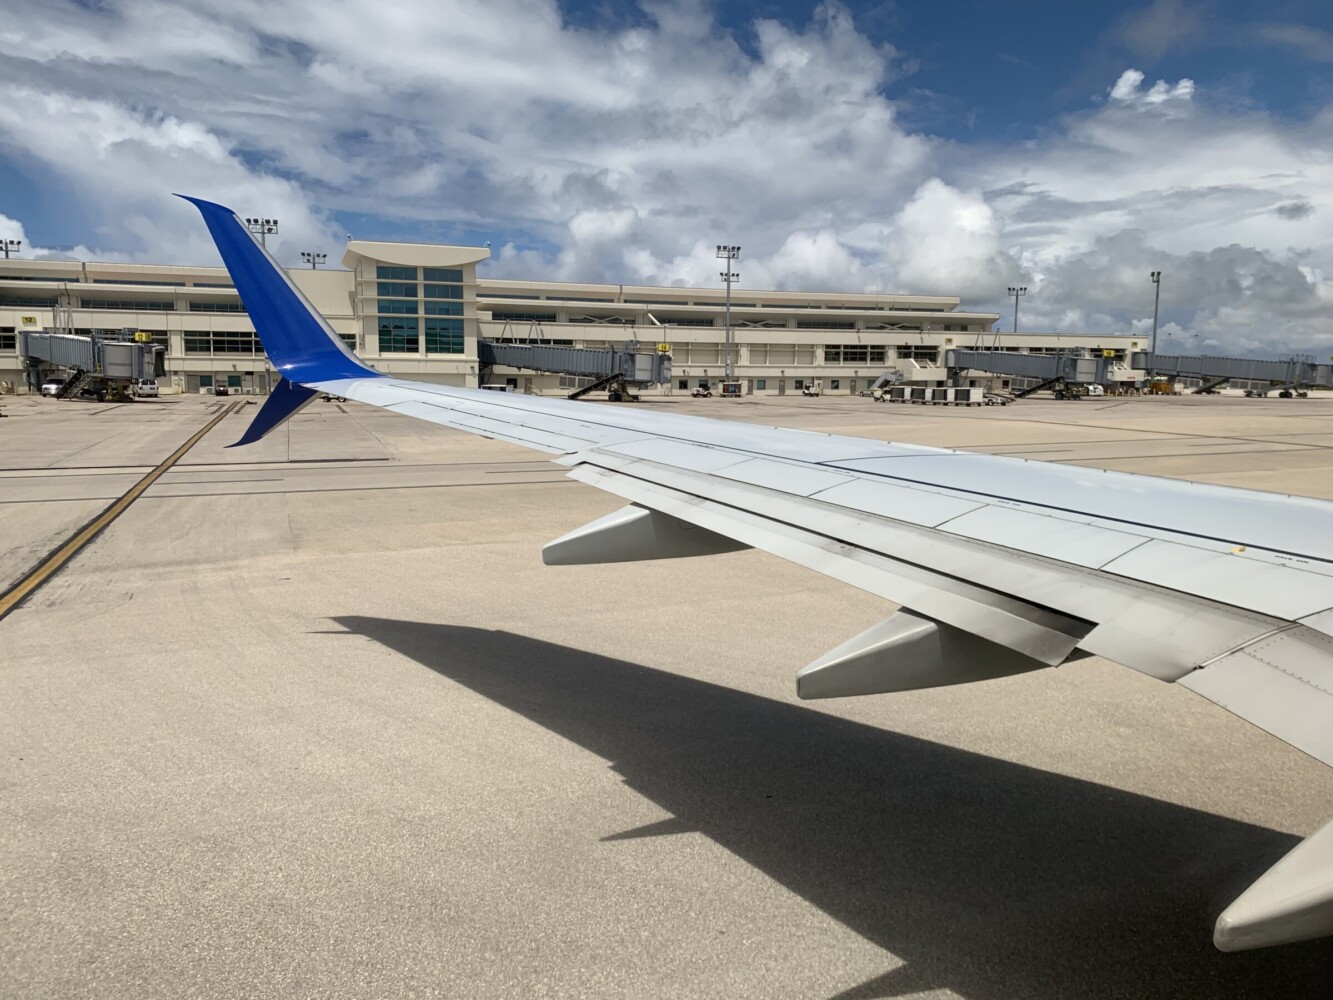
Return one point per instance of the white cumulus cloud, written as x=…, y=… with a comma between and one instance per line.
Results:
x=626, y=153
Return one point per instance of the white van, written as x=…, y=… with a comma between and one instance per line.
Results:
x=145, y=387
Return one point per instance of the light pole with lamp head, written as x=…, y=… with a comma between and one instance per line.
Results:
x=1016, y=291
x=1156, y=301
x=313, y=259
x=262, y=228
x=729, y=254
x=8, y=245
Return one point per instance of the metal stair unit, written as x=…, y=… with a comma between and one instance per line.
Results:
x=77, y=378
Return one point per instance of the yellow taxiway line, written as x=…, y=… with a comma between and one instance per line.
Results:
x=53, y=563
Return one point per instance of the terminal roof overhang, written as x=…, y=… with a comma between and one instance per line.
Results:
x=412, y=254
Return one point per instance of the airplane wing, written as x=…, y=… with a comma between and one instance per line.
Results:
x=1000, y=565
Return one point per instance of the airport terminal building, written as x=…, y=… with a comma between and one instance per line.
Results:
x=418, y=310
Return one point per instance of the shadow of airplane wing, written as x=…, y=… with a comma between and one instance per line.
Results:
x=989, y=878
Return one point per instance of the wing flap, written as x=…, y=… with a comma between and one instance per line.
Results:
x=1282, y=683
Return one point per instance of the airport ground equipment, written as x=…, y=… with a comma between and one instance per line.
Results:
x=101, y=365
x=948, y=395
x=1289, y=374
x=879, y=389
x=618, y=370
x=999, y=565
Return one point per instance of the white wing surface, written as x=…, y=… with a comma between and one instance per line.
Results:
x=1000, y=564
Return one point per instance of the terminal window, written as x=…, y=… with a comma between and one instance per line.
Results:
x=444, y=336
x=911, y=352
x=131, y=305
x=399, y=335
x=27, y=300
x=449, y=274
x=235, y=343
x=217, y=307
x=396, y=273
x=853, y=354
x=443, y=308
x=444, y=291
x=397, y=289
x=218, y=342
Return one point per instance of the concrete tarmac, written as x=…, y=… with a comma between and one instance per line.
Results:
x=312, y=719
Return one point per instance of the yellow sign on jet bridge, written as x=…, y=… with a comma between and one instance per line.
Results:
x=1108, y=354
x=663, y=348
x=142, y=337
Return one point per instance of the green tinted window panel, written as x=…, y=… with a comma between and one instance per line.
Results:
x=444, y=291
x=397, y=289
x=444, y=308
x=399, y=336
x=453, y=274
x=444, y=336
x=397, y=307
x=396, y=273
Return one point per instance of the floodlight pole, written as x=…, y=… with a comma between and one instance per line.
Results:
x=1156, y=301
x=262, y=228
x=1016, y=291
x=8, y=245
x=313, y=259
x=729, y=254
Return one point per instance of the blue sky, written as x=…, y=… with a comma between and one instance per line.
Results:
x=950, y=148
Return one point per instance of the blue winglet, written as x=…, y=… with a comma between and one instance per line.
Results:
x=301, y=345
x=286, y=399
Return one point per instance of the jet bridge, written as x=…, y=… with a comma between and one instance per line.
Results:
x=1068, y=374
x=1294, y=372
x=616, y=369
x=102, y=360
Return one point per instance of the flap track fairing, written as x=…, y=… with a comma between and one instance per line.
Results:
x=907, y=652
x=632, y=534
